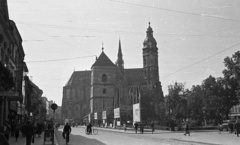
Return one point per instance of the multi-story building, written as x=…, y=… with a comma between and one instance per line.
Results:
x=108, y=92
x=11, y=66
x=18, y=94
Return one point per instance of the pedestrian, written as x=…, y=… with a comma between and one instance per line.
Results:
x=39, y=129
x=219, y=128
x=16, y=132
x=89, y=128
x=231, y=126
x=152, y=126
x=125, y=127
x=6, y=129
x=187, y=128
x=29, y=132
x=141, y=125
x=136, y=126
x=3, y=140
x=237, y=126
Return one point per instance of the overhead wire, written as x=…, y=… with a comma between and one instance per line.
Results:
x=61, y=59
x=202, y=60
x=177, y=11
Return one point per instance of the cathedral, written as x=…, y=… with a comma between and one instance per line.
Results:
x=110, y=94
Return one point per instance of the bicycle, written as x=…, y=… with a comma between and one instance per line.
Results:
x=94, y=131
x=67, y=137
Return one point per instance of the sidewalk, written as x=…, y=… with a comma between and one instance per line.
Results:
x=37, y=141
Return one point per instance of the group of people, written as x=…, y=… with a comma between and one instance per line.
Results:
x=141, y=125
x=27, y=129
x=232, y=126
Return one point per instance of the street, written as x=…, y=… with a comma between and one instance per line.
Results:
x=119, y=137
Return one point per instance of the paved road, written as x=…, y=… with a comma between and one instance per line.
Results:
x=119, y=137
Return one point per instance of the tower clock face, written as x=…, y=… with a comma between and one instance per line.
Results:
x=149, y=43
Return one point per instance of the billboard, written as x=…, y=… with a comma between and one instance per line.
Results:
x=104, y=115
x=136, y=112
x=117, y=113
x=95, y=116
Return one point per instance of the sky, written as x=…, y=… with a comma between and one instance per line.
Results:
x=62, y=36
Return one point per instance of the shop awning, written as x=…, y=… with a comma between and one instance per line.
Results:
x=12, y=96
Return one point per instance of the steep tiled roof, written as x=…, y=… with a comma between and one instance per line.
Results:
x=103, y=60
x=78, y=76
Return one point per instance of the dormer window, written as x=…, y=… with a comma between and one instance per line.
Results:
x=104, y=78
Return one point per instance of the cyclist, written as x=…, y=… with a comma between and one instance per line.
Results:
x=66, y=131
x=89, y=128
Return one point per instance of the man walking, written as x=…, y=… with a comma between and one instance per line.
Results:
x=136, y=126
x=6, y=129
x=29, y=132
x=237, y=126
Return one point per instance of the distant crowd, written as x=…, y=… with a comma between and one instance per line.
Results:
x=27, y=129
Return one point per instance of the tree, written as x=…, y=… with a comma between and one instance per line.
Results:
x=177, y=101
x=211, y=97
x=232, y=80
x=195, y=104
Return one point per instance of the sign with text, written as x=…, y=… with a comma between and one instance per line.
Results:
x=117, y=113
x=136, y=112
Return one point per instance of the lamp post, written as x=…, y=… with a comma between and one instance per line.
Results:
x=54, y=106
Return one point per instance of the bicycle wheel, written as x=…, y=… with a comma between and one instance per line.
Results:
x=67, y=138
x=95, y=131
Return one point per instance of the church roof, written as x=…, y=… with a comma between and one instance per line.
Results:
x=78, y=76
x=134, y=76
x=103, y=60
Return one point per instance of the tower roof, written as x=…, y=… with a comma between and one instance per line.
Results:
x=149, y=38
x=103, y=60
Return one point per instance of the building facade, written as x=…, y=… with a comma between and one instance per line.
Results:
x=12, y=66
x=112, y=90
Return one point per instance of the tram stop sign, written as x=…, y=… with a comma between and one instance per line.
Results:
x=54, y=106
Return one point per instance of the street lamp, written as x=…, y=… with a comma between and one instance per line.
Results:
x=54, y=106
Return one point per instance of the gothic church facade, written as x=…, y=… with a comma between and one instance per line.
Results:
x=107, y=86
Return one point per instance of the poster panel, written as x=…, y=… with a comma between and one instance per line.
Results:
x=136, y=112
x=104, y=115
x=95, y=116
x=117, y=113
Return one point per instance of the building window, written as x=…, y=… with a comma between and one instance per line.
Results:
x=104, y=91
x=104, y=78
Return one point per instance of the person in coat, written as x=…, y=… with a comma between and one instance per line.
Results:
x=29, y=132
x=6, y=129
x=187, y=128
x=238, y=127
x=152, y=126
x=136, y=126
x=3, y=140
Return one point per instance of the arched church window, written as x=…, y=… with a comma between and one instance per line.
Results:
x=104, y=78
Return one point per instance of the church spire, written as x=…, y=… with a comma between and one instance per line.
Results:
x=119, y=50
x=120, y=62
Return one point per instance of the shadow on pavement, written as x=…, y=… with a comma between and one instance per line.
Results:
x=76, y=140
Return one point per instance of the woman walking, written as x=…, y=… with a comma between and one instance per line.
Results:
x=187, y=128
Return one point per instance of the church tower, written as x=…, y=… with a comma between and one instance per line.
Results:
x=4, y=9
x=102, y=84
x=120, y=63
x=150, y=60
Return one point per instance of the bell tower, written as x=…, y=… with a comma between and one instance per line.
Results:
x=150, y=60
